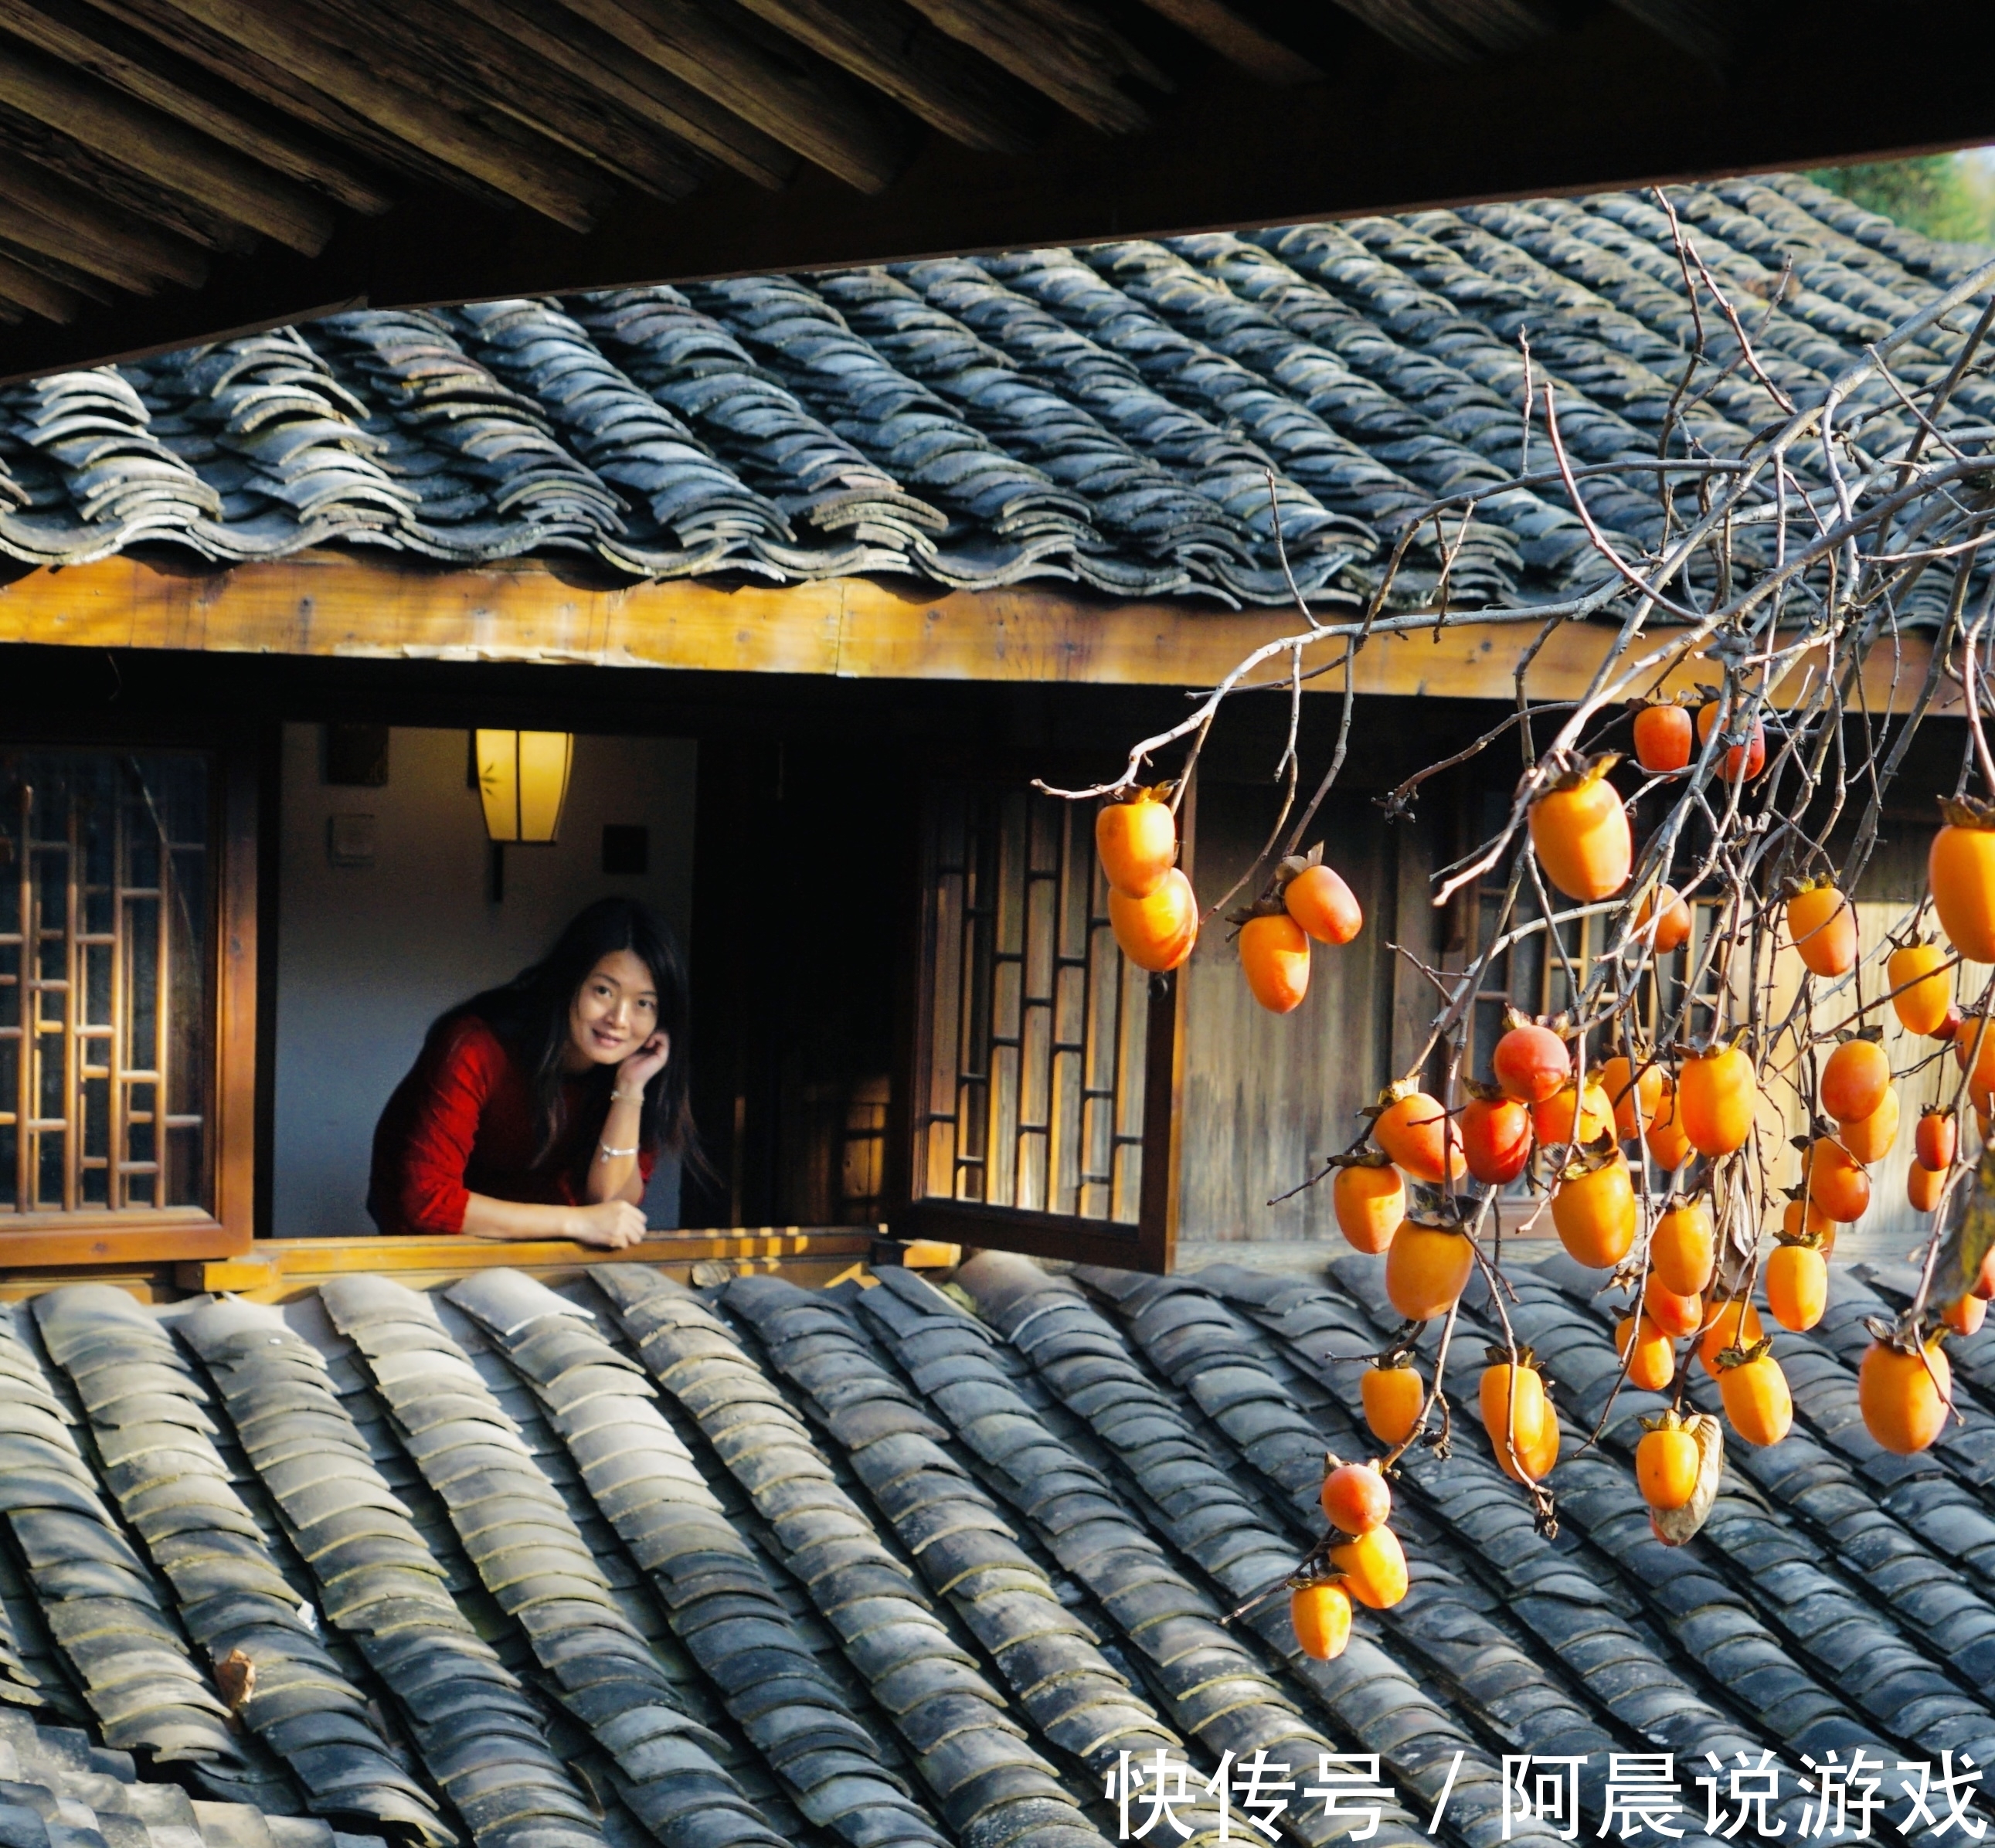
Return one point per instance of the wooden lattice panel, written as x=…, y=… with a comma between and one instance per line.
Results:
x=1032, y=1097
x=105, y=989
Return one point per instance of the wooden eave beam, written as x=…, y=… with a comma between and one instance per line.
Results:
x=331, y=605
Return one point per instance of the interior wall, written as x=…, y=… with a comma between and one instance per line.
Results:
x=368, y=955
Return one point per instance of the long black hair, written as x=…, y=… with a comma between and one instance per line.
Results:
x=530, y=1014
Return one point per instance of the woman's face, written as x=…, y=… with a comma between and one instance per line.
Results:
x=614, y=1011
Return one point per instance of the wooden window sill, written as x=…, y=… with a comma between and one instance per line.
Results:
x=275, y=1268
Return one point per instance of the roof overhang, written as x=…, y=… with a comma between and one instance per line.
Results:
x=1595, y=99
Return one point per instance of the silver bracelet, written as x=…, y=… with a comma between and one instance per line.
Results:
x=609, y=1153
x=626, y=1097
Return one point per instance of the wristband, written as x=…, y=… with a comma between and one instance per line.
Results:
x=626, y=1097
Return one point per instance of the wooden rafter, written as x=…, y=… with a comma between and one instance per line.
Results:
x=894, y=48
x=278, y=157
x=100, y=47
x=438, y=120
x=646, y=91
x=450, y=47
x=151, y=143
x=823, y=119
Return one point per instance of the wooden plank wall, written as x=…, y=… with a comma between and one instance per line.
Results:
x=1265, y=1096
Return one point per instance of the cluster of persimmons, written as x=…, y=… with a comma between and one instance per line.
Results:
x=1155, y=916
x=1550, y=1130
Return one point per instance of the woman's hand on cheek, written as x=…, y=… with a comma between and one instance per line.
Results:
x=608, y=1225
x=644, y=1064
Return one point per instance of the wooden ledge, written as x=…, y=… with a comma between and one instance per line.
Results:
x=276, y=1269
x=334, y=604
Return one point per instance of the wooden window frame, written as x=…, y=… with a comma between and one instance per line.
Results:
x=226, y=1228
x=1150, y=1244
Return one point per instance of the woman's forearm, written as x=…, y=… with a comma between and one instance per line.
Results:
x=614, y=1164
x=485, y=1217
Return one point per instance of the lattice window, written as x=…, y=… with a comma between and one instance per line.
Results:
x=106, y=899
x=1032, y=1096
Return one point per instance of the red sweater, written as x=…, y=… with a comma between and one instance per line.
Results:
x=461, y=1123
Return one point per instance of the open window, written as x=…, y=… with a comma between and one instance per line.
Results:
x=1042, y=1116
x=127, y=1003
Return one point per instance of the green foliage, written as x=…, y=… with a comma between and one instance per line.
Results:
x=1948, y=196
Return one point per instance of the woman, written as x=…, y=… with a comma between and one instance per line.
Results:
x=538, y=1110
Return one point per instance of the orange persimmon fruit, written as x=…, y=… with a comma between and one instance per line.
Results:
x=1960, y=872
x=1369, y=1200
x=1654, y=1363
x=1920, y=991
x=1512, y=1403
x=1530, y=1062
x=1963, y=1315
x=1136, y=840
x=1666, y=1467
x=1672, y=917
x=1716, y=1092
x=1356, y=1498
x=1495, y=1138
x=1734, y=1323
x=1374, y=1566
x=1924, y=1187
x=1553, y=1121
x=1757, y=1401
x=1392, y=1393
x=1663, y=738
x=1633, y=1098
x=1937, y=1137
x=1318, y=900
x=1822, y=923
x=1669, y=1148
x=1677, y=1313
x=1594, y=1212
x=1903, y=1395
x=1275, y=958
x=1747, y=759
x=1580, y=832
x=1427, y=1268
x=1320, y=1614
x=1418, y=1134
x=1854, y=1078
x=1683, y=1247
x=1158, y=931
x=1836, y=1182
x=1797, y=1285
x=1869, y=1139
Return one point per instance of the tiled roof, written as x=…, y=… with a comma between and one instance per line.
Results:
x=58, y=1790
x=1109, y=416
x=858, y=1567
